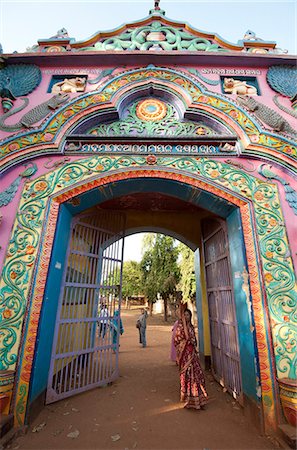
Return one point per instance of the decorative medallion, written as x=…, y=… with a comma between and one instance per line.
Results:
x=151, y=110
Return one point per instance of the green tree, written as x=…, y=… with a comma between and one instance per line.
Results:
x=132, y=279
x=187, y=283
x=160, y=268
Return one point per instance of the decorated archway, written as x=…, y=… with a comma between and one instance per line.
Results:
x=272, y=280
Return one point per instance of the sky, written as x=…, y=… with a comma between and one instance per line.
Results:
x=132, y=247
x=23, y=22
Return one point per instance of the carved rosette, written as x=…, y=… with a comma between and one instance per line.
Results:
x=151, y=110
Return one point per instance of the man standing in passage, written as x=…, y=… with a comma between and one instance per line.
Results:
x=142, y=327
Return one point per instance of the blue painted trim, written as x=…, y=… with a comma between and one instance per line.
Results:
x=244, y=315
x=47, y=321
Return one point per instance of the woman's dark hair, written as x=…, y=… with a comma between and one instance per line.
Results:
x=189, y=311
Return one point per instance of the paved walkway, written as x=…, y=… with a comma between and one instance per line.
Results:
x=141, y=410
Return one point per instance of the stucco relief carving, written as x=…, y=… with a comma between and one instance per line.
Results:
x=71, y=85
x=36, y=114
x=267, y=115
x=238, y=87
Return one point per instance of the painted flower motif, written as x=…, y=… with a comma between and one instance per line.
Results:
x=99, y=167
x=13, y=275
x=201, y=131
x=234, y=114
x=30, y=250
x=215, y=174
x=7, y=314
x=272, y=222
x=99, y=98
x=288, y=149
x=286, y=318
x=151, y=159
x=203, y=99
x=13, y=147
x=269, y=254
x=255, y=138
x=259, y=196
x=179, y=81
x=48, y=137
x=40, y=186
x=68, y=113
x=268, y=277
x=234, y=183
x=122, y=82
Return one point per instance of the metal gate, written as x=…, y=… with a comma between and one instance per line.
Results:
x=86, y=341
x=222, y=316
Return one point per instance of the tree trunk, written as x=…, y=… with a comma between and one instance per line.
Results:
x=165, y=308
x=151, y=305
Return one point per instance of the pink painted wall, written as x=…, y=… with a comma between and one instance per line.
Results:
x=40, y=94
x=10, y=210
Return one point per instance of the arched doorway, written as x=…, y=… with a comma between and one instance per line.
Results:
x=90, y=185
x=170, y=206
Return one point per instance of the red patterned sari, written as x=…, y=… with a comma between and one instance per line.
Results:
x=192, y=381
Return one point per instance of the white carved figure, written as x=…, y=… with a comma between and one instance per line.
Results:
x=250, y=35
x=69, y=85
x=238, y=87
x=61, y=34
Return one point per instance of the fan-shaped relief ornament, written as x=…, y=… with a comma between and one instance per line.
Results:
x=9, y=193
x=283, y=79
x=17, y=80
x=152, y=117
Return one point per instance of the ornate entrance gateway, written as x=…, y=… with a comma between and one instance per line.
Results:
x=177, y=127
x=85, y=346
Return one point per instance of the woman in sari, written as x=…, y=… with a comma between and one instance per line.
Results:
x=192, y=381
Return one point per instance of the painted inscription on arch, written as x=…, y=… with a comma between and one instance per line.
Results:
x=197, y=149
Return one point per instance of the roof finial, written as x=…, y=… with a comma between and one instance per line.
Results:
x=157, y=10
x=157, y=7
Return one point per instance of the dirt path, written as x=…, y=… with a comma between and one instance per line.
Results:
x=141, y=410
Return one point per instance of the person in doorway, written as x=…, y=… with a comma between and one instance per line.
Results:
x=192, y=381
x=117, y=327
x=141, y=325
x=103, y=319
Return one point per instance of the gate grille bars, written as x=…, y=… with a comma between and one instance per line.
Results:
x=86, y=342
x=222, y=316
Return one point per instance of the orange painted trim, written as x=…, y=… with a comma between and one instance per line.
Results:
x=266, y=375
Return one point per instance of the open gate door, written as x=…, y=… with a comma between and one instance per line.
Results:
x=86, y=342
x=222, y=315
